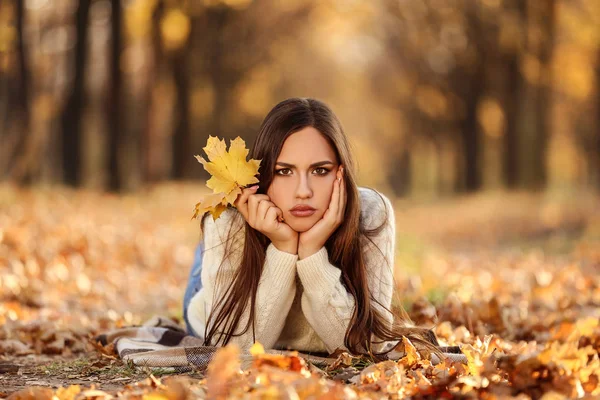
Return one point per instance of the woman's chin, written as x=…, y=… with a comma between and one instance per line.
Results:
x=301, y=224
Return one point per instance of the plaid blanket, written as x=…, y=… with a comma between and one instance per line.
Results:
x=161, y=343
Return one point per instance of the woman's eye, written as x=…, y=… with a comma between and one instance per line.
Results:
x=287, y=171
x=282, y=171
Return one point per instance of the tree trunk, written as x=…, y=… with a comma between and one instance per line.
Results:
x=472, y=89
x=114, y=98
x=219, y=78
x=23, y=98
x=513, y=97
x=400, y=179
x=543, y=104
x=19, y=158
x=182, y=141
x=181, y=138
x=470, y=134
x=153, y=151
x=471, y=139
x=72, y=113
x=511, y=142
x=146, y=131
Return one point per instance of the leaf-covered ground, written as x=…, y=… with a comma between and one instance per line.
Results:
x=512, y=278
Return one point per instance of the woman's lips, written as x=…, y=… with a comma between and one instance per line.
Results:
x=302, y=213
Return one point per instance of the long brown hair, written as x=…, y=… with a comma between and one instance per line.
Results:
x=344, y=246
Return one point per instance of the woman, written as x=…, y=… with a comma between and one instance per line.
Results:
x=305, y=259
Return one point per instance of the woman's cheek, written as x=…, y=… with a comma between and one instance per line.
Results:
x=330, y=191
x=274, y=196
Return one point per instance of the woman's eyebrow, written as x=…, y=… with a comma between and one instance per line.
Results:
x=317, y=164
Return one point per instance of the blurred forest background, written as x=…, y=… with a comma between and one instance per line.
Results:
x=438, y=96
x=104, y=103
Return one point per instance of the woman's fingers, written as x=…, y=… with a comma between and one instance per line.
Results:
x=272, y=215
x=343, y=198
x=334, y=204
x=253, y=202
x=243, y=197
x=263, y=207
x=241, y=203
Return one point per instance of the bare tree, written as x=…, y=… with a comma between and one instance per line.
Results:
x=514, y=95
x=114, y=98
x=18, y=155
x=471, y=89
x=546, y=17
x=72, y=112
x=182, y=141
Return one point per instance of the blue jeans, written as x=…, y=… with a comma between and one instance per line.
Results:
x=194, y=285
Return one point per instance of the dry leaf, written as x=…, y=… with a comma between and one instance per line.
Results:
x=285, y=362
x=412, y=355
x=12, y=346
x=32, y=393
x=68, y=393
x=212, y=203
x=108, y=350
x=257, y=349
x=223, y=368
x=342, y=361
x=229, y=171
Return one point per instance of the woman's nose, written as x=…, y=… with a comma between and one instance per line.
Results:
x=303, y=189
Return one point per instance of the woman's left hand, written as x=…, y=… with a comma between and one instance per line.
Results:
x=313, y=239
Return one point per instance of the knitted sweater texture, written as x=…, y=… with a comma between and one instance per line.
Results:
x=300, y=304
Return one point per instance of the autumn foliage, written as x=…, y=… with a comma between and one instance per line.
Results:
x=512, y=279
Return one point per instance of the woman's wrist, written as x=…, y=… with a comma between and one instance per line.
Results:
x=306, y=251
x=288, y=247
x=307, y=248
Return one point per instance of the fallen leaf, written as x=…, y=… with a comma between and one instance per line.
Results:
x=224, y=367
x=13, y=346
x=257, y=349
x=68, y=393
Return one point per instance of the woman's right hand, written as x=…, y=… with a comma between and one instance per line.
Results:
x=263, y=215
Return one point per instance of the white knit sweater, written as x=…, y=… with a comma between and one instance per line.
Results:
x=300, y=304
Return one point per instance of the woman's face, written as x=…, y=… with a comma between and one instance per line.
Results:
x=304, y=175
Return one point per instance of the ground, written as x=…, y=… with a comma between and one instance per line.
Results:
x=513, y=277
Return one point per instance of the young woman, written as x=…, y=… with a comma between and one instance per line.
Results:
x=305, y=259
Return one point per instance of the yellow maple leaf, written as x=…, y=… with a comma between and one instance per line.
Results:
x=230, y=172
x=213, y=203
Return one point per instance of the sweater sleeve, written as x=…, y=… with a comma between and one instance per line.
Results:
x=326, y=303
x=276, y=287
